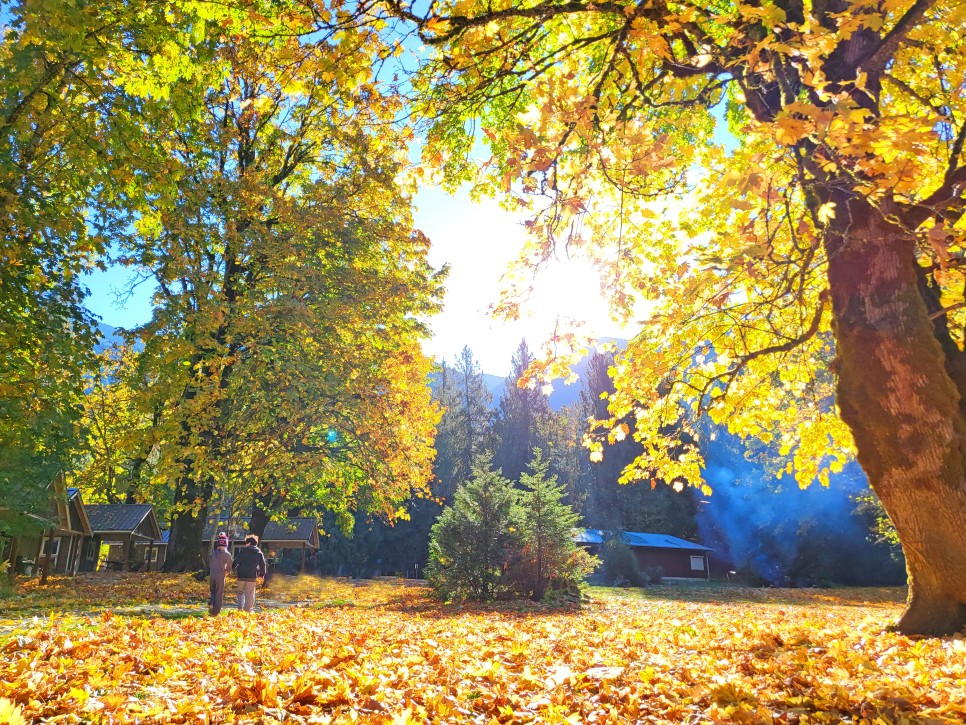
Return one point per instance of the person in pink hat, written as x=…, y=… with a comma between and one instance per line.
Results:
x=220, y=565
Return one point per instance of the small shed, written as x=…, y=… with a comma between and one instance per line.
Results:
x=678, y=558
x=57, y=549
x=60, y=549
x=131, y=534
x=291, y=543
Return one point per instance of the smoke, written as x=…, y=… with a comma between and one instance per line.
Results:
x=773, y=532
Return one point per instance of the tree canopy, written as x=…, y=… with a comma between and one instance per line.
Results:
x=248, y=161
x=800, y=280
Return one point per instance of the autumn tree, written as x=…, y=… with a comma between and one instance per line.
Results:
x=115, y=453
x=835, y=207
x=653, y=506
x=292, y=287
x=76, y=80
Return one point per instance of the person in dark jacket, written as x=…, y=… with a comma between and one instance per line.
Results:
x=249, y=566
x=220, y=565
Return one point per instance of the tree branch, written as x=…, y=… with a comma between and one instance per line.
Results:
x=874, y=60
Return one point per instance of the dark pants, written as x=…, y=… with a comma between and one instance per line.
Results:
x=217, y=594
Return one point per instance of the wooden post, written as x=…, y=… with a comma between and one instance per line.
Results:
x=46, y=552
x=12, y=561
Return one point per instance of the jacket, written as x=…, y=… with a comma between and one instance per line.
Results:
x=220, y=564
x=250, y=563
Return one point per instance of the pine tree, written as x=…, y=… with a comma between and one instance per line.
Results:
x=474, y=538
x=448, y=471
x=472, y=414
x=549, y=558
x=522, y=419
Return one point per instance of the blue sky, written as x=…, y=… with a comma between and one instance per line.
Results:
x=477, y=240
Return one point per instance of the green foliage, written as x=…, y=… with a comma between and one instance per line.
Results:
x=882, y=530
x=495, y=541
x=474, y=538
x=619, y=565
x=522, y=420
x=463, y=432
x=549, y=558
x=74, y=83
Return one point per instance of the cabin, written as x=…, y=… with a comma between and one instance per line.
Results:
x=677, y=558
x=289, y=545
x=126, y=537
x=57, y=547
x=61, y=548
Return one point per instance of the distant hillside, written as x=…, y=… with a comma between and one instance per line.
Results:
x=496, y=385
x=108, y=336
x=113, y=336
x=564, y=394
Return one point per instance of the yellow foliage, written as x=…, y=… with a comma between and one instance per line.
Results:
x=384, y=652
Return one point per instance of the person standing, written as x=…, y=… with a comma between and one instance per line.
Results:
x=220, y=565
x=249, y=565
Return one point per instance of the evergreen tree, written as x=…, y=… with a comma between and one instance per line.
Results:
x=474, y=538
x=472, y=414
x=549, y=558
x=448, y=470
x=566, y=457
x=522, y=420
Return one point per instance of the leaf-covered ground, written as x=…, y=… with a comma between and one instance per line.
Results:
x=137, y=649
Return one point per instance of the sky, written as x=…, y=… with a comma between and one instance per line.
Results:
x=477, y=240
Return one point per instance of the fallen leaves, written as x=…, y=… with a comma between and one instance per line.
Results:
x=381, y=652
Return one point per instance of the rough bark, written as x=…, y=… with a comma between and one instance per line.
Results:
x=897, y=396
x=185, y=547
x=12, y=560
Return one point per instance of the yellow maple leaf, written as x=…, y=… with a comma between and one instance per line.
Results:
x=826, y=212
x=11, y=713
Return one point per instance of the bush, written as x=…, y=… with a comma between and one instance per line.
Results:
x=620, y=567
x=654, y=574
x=495, y=542
x=472, y=540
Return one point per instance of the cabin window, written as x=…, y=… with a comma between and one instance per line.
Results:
x=697, y=563
x=153, y=556
x=90, y=550
x=51, y=548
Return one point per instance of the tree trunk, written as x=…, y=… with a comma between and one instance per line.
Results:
x=193, y=492
x=265, y=503
x=12, y=560
x=185, y=548
x=896, y=395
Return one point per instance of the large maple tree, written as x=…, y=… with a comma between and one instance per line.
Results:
x=802, y=275
x=244, y=158
x=76, y=80
x=292, y=287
